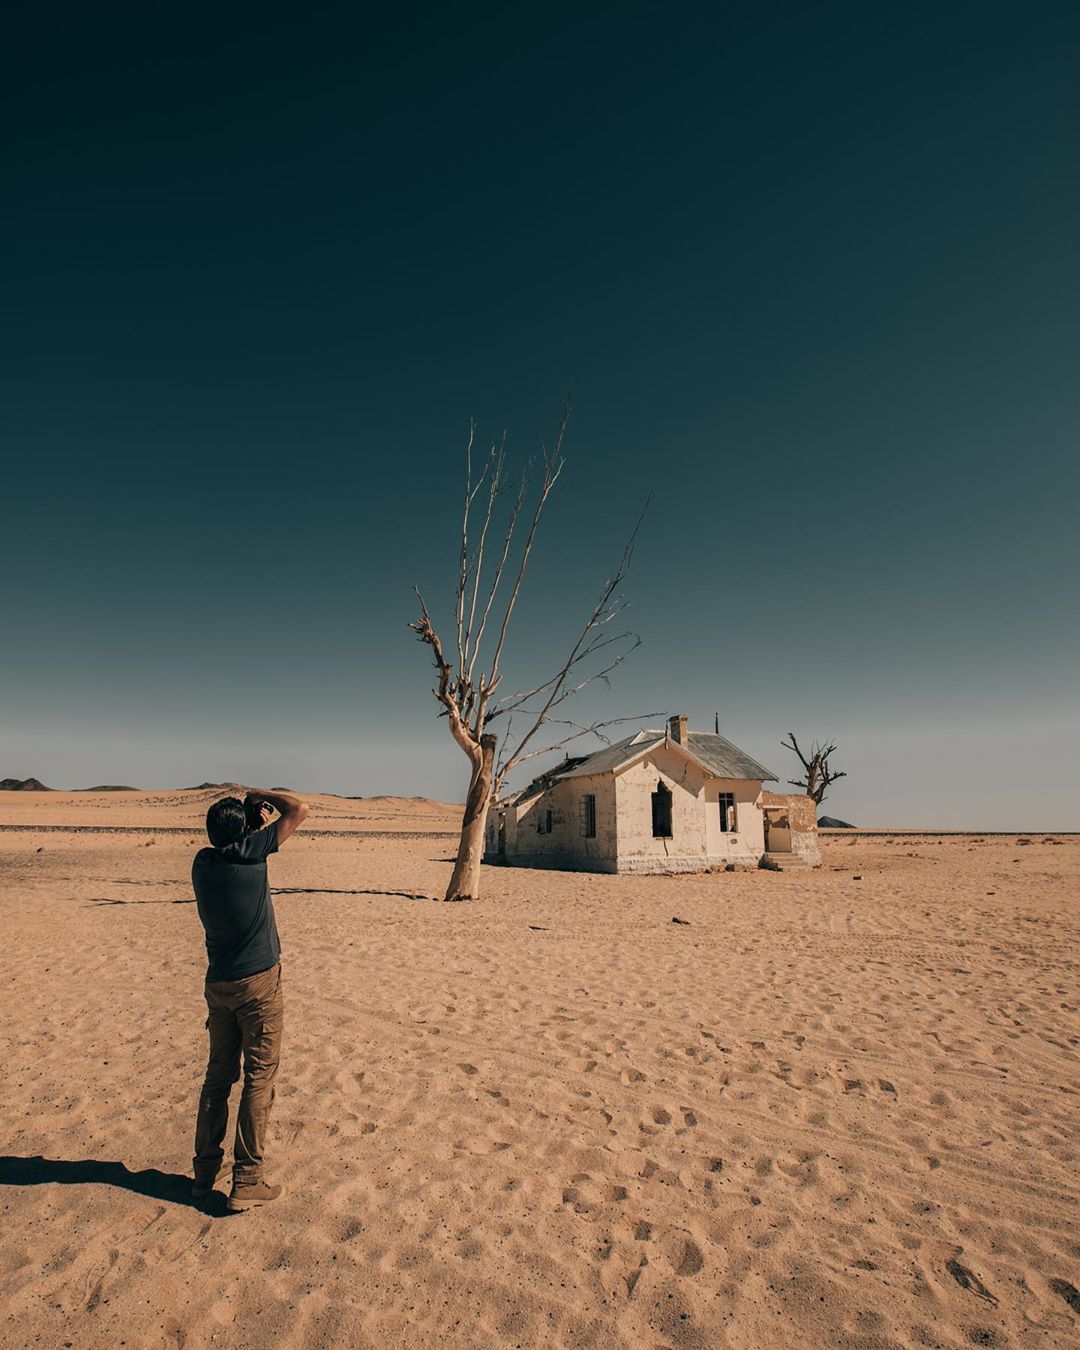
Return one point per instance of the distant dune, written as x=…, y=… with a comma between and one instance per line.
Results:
x=184, y=809
x=414, y=803
x=384, y=797
x=831, y=823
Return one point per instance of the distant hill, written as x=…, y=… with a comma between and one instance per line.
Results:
x=204, y=787
x=23, y=785
x=108, y=787
x=831, y=823
x=390, y=797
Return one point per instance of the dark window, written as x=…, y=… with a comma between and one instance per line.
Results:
x=588, y=816
x=661, y=812
x=727, y=812
x=543, y=822
x=547, y=822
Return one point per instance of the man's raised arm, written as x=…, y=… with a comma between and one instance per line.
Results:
x=293, y=810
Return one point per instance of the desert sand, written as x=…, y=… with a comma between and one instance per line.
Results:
x=833, y=1108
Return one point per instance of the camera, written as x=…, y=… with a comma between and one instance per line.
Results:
x=253, y=810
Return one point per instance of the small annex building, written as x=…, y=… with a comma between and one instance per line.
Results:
x=659, y=801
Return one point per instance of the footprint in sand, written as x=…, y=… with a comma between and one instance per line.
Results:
x=634, y=1276
x=845, y=1083
x=481, y=1147
x=1068, y=1292
x=967, y=1279
x=678, y=1251
x=689, y=1260
x=586, y=1196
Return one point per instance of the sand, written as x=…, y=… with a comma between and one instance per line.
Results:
x=823, y=1111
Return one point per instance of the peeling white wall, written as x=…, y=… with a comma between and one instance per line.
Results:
x=634, y=787
x=696, y=838
x=565, y=846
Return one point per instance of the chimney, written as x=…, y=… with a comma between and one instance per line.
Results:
x=678, y=730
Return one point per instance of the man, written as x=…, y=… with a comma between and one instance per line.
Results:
x=243, y=986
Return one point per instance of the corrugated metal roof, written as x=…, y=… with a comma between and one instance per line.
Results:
x=613, y=757
x=726, y=760
x=715, y=753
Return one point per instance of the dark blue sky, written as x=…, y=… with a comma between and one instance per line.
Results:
x=813, y=268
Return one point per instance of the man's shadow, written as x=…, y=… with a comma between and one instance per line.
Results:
x=168, y=1186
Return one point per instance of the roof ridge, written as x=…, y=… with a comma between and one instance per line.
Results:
x=711, y=751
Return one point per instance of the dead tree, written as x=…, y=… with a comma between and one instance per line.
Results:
x=484, y=602
x=816, y=767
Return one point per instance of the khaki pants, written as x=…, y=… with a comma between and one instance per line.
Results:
x=245, y=1016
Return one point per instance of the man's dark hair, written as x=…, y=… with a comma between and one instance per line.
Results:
x=226, y=822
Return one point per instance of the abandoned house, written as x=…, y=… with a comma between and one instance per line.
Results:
x=659, y=801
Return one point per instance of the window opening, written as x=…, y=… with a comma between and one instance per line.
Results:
x=661, y=812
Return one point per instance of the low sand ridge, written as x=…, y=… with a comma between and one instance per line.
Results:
x=823, y=1111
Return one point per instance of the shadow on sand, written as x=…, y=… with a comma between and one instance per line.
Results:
x=110, y=900
x=277, y=890
x=332, y=890
x=168, y=1186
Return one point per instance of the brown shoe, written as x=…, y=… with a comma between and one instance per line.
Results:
x=251, y=1194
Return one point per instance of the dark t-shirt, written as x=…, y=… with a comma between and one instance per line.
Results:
x=232, y=892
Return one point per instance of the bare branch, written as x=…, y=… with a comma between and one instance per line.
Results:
x=463, y=565
x=553, y=467
x=555, y=687
x=511, y=526
x=445, y=691
x=495, y=468
x=795, y=746
x=581, y=729
x=512, y=702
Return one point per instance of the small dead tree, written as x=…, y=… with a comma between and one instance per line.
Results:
x=816, y=767
x=484, y=603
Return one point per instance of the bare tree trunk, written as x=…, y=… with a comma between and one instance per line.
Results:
x=465, y=882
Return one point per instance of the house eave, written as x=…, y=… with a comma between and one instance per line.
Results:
x=685, y=751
